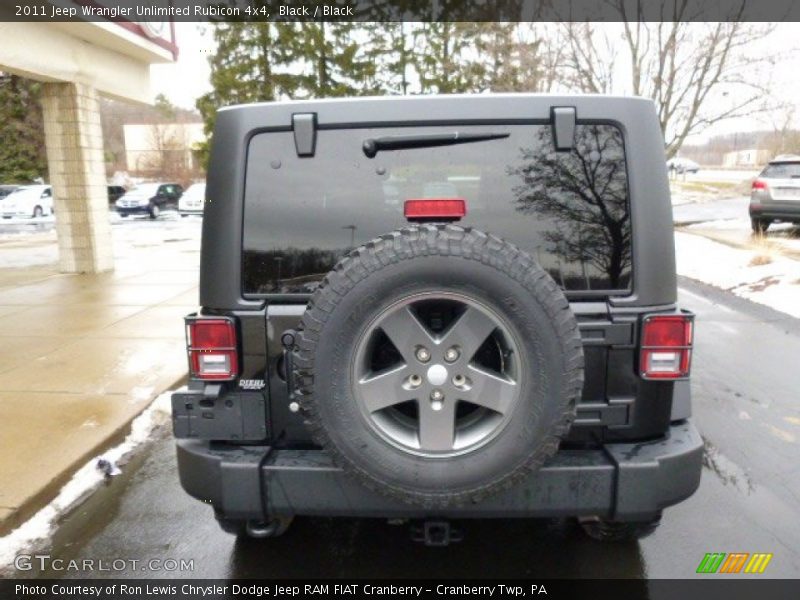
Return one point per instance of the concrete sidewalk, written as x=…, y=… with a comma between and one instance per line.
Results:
x=82, y=355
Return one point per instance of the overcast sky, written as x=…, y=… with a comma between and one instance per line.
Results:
x=187, y=79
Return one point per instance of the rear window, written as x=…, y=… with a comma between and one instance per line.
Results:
x=570, y=210
x=782, y=170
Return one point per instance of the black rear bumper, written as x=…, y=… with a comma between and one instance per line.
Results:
x=620, y=481
x=782, y=211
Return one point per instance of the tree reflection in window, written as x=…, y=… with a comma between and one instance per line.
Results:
x=584, y=193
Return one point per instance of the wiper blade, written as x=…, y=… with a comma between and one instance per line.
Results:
x=372, y=146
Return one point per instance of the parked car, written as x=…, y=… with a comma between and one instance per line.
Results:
x=5, y=190
x=682, y=165
x=775, y=193
x=115, y=192
x=437, y=371
x=28, y=201
x=192, y=200
x=149, y=198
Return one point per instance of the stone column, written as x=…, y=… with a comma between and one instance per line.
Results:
x=74, y=143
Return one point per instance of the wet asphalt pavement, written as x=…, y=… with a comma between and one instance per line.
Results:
x=745, y=405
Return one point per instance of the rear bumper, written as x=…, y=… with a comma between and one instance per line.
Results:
x=782, y=211
x=620, y=481
x=133, y=210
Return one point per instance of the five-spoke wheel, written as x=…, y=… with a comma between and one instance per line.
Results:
x=436, y=374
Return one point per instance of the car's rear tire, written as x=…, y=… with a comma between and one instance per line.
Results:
x=605, y=530
x=38, y=212
x=760, y=226
x=438, y=365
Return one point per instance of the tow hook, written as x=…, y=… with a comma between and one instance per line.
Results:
x=436, y=533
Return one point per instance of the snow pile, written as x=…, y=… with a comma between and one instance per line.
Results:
x=763, y=276
x=725, y=224
x=86, y=480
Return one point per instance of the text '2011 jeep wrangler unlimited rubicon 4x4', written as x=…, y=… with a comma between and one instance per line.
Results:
x=435, y=308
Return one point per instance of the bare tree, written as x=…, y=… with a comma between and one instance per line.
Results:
x=784, y=138
x=585, y=194
x=588, y=60
x=167, y=155
x=698, y=73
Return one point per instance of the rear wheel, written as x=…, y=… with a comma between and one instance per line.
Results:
x=760, y=226
x=38, y=212
x=604, y=530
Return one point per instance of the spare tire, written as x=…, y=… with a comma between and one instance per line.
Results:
x=438, y=365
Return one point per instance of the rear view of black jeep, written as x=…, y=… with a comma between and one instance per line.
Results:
x=436, y=308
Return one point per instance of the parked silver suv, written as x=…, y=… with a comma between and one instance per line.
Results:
x=775, y=195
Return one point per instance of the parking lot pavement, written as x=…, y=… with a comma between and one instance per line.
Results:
x=712, y=210
x=744, y=406
x=727, y=221
x=81, y=355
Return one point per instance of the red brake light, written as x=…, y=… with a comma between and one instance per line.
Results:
x=211, y=344
x=666, y=351
x=759, y=184
x=435, y=209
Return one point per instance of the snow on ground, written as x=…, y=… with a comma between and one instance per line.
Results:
x=83, y=483
x=763, y=276
x=740, y=223
x=727, y=175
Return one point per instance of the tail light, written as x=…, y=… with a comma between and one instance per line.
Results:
x=759, y=184
x=666, y=349
x=211, y=344
x=435, y=209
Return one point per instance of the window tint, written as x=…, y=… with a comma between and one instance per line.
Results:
x=570, y=210
x=782, y=170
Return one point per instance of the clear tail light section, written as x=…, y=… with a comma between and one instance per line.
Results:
x=211, y=345
x=666, y=346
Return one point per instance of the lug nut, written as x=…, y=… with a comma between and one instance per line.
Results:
x=423, y=355
x=437, y=400
x=451, y=354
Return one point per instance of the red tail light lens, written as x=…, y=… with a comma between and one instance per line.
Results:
x=666, y=351
x=211, y=344
x=759, y=184
x=435, y=209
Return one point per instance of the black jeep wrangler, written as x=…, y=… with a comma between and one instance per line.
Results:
x=435, y=308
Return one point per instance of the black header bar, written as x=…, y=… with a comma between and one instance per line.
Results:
x=137, y=11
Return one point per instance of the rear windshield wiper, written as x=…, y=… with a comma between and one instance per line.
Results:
x=372, y=146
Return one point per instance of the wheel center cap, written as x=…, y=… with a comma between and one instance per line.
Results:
x=437, y=375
